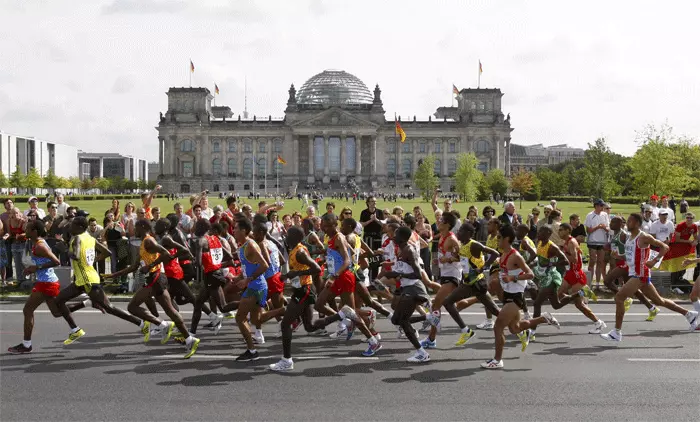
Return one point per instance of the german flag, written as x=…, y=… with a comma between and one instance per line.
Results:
x=400, y=132
x=216, y=89
x=191, y=66
x=678, y=252
x=455, y=90
x=281, y=160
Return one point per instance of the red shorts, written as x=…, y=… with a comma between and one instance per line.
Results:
x=621, y=264
x=344, y=283
x=275, y=284
x=48, y=288
x=575, y=277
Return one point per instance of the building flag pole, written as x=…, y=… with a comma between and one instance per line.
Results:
x=396, y=156
x=254, y=165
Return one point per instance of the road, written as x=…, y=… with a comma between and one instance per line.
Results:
x=567, y=374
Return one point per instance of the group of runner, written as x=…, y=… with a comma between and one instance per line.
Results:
x=244, y=269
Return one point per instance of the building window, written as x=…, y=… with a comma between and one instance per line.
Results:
x=185, y=188
x=406, y=168
x=391, y=146
x=319, y=153
x=85, y=173
x=334, y=155
x=423, y=147
x=452, y=167
x=277, y=146
x=216, y=146
x=216, y=167
x=247, y=168
x=453, y=147
x=438, y=167
x=232, y=167
x=246, y=187
x=262, y=168
x=232, y=187
x=483, y=167
x=232, y=145
x=391, y=167
x=187, y=169
x=247, y=145
x=277, y=167
x=407, y=146
x=482, y=147
x=350, y=153
x=187, y=146
x=262, y=145
x=215, y=188
x=438, y=147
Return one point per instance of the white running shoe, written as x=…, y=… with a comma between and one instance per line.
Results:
x=400, y=334
x=434, y=320
x=341, y=332
x=282, y=366
x=486, y=325
x=598, y=327
x=492, y=364
x=419, y=357
x=217, y=322
x=550, y=320
x=258, y=339
x=612, y=336
x=693, y=319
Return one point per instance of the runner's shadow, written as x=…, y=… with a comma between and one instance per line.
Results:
x=591, y=351
x=451, y=375
x=658, y=333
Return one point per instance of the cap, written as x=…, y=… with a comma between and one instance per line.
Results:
x=654, y=198
x=647, y=208
x=606, y=205
x=599, y=202
x=82, y=213
x=664, y=197
x=548, y=207
x=663, y=212
x=32, y=198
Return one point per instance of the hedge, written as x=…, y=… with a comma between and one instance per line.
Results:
x=42, y=198
x=618, y=200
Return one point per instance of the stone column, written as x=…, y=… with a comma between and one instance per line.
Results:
x=398, y=156
x=343, y=158
x=497, y=142
x=358, y=155
x=295, y=156
x=414, y=163
x=443, y=151
x=312, y=141
x=325, y=158
x=161, y=157
x=102, y=167
x=239, y=148
x=269, y=168
x=224, y=160
x=508, y=171
x=173, y=151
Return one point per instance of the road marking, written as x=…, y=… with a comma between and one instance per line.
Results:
x=231, y=357
x=661, y=360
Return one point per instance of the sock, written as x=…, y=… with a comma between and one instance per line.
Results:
x=489, y=318
x=342, y=315
x=75, y=330
x=391, y=314
x=252, y=351
x=189, y=339
x=653, y=307
x=422, y=351
x=258, y=333
x=163, y=324
x=142, y=324
x=466, y=329
x=373, y=340
x=618, y=331
x=696, y=305
x=288, y=360
x=27, y=343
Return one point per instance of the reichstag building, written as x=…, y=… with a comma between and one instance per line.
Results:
x=334, y=132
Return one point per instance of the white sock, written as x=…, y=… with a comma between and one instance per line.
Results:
x=252, y=351
x=489, y=319
x=422, y=351
x=164, y=324
x=466, y=329
x=696, y=305
x=258, y=333
x=391, y=314
x=287, y=360
x=373, y=340
x=189, y=339
x=142, y=324
x=341, y=314
x=75, y=330
x=27, y=343
x=617, y=331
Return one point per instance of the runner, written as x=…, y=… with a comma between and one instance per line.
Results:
x=450, y=271
x=301, y=268
x=526, y=247
x=46, y=285
x=273, y=277
x=473, y=279
x=152, y=257
x=494, y=286
x=513, y=276
x=637, y=248
x=620, y=271
x=695, y=293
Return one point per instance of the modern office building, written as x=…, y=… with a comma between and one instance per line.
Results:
x=107, y=165
x=532, y=157
x=27, y=152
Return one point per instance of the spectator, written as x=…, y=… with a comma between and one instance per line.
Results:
x=3, y=255
x=112, y=234
x=509, y=215
x=483, y=233
x=147, y=199
x=532, y=222
x=63, y=205
x=115, y=210
x=667, y=208
x=34, y=206
x=646, y=219
x=94, y=229
x=663, y=228
x=684, y=206
x=578, y=230
x=597, y=225
x=185, y=221
x=155, y=214
x=654, y=202
x=15, y=233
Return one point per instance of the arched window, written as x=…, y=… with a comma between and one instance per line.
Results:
x=215, y=188
x=406, y=168
x=247, y=168
x=187, y=146
x=453, y=147
x=391, y=167
x=247, y=145
x=334, y=155
x=350, y=154
x=232, y=167
x=391, y=146
x=277, y=167
x=232, y=145
x=319, y=153
x=423, y=147
x=483, y=167
x=483, y=146
x=438, y=147
x=262, y=145
x=407, y=146
x=438, y=167
x=277, y=146
x=216, y=146
x=216, y=167
x=261, y=171
x=452, y=167
x=185, y=188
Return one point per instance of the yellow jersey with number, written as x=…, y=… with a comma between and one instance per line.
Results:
x=85, y=274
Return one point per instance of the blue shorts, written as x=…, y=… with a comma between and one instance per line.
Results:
x=259, y=295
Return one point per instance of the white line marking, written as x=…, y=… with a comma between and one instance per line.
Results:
x=661, y=360
x=231, y=357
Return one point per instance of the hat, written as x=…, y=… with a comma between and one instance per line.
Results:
x=32, y=198
x=82, y=213
x=647, y=208
x=664, y=197
x=599, y=202
x=663, y=212
x=548, y=207
x=654, y=198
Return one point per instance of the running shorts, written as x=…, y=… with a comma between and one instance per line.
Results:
x=215, y=279
x=304, y=295
x=344, y=283
x=621, y=263
x=158, y=282
x=478, y=287
x=574, y=277
x=275, y=284
x=259, y=295
x=48, y=288
x=188, y=271
x=447, y=280
x=416, y=291
x=595, y=246
x=517, y=298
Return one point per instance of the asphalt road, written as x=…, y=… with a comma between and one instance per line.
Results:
x=568, y=374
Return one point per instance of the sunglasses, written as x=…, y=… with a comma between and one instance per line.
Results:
x=53, y=208
x=347, y=213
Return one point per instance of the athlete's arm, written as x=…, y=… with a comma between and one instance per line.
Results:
x=554, y=251
x=264, y=252
x=253, y=254
x=304, y=259
x=42, y=250
x=532, y=253
x=492, y=253
x=452, y=246
x=648, y=240
x=76, y=248
x=433, y=203
x=103, y=252
x=526, y=272
x=343, y=251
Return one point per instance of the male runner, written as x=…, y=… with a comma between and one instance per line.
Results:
x=273, y=276
x=637, y=248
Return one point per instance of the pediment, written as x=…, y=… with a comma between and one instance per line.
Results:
x=334, y=117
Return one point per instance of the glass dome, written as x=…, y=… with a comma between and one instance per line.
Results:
x=334, y=87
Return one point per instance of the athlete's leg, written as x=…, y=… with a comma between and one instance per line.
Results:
x=509, y=313
x=134, y=307
x=64, y=296
x=293, y=311
x=441, y=295
x=363, y=293
x=612, y=276
x=323, y=308
x=151, y=306
x=625, y=291
x=247, y=305
x=401, y=317
x=461, y=292
x=166, y=303
x=348, y=299
x=33, y=301
x=650, y=291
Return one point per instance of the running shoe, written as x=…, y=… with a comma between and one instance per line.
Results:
x=532, y=335
x=372, y=349
x=191, y=348
x=550, y=320
x=166, y=332
x=693, y=319
x=524, y=337
x=296, y=324
x=628, y=304
x=180, y=340
x=74, y=336
x=590, y=294
x=350, y=330
x=465, y=337
x=419, y=357
x=341, y=331
x=282, y=366
x=652, y=314
x=372, y=317
x=217, y=323
x=247, y=356
x=230, y=315
x=400, y=333
x=258, y=339
x=20, y=349
x=146, y=330
x=492, y=364
x=320, y=332
x=598, y=327
x=526, y=315
x=486, y=325
x=434, y=320
x=612, y=336
x=428, y=344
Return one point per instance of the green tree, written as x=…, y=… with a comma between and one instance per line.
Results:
x=74, y=182
x=51, y=181
x=152, y=184
x=553, y=183
x=131, y=185
x=34, y=179
x=117, y=183
x=497, y=182
x=86, y=184
x=467, y=177
x=63, y=183
x=522, y=182
x=599, y=179
x=656, y=169
x=17, y=179
x=4, y=183
x=425, y=178
x=102, y=184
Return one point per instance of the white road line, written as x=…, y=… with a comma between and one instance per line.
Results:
x=661, y=360
x=231, y=357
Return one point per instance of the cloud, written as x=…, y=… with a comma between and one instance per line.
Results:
x=24, y=115
x=144, y=7
x=123, y=85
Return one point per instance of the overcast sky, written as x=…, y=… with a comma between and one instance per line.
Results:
x=94, y=73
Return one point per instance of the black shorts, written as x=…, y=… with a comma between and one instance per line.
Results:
x=189, y=272
x=479, y=287
x=304, y=295
x=158, y=282
x=214, y=279
x=517, y=298
x=494, y=269
x=595, y=247
x=447, y=280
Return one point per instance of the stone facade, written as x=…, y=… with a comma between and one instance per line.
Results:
x=327, y=139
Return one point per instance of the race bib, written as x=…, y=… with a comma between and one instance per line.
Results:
x=217, y=255
x=466, y=266
x=295, y=282
x=90, y=256
x=330, y=266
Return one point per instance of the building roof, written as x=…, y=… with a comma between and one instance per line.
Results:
x=334, y=87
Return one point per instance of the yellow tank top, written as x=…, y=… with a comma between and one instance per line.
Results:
x=471, y=262
x=147, y=258
x=492, y=242
x=294, y=265
x=85, y=273
x=543, y=249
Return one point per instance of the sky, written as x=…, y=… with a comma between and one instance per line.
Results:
x=94, y=73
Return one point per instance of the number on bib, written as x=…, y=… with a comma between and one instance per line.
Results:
x=217, y=255
x=90, y=256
